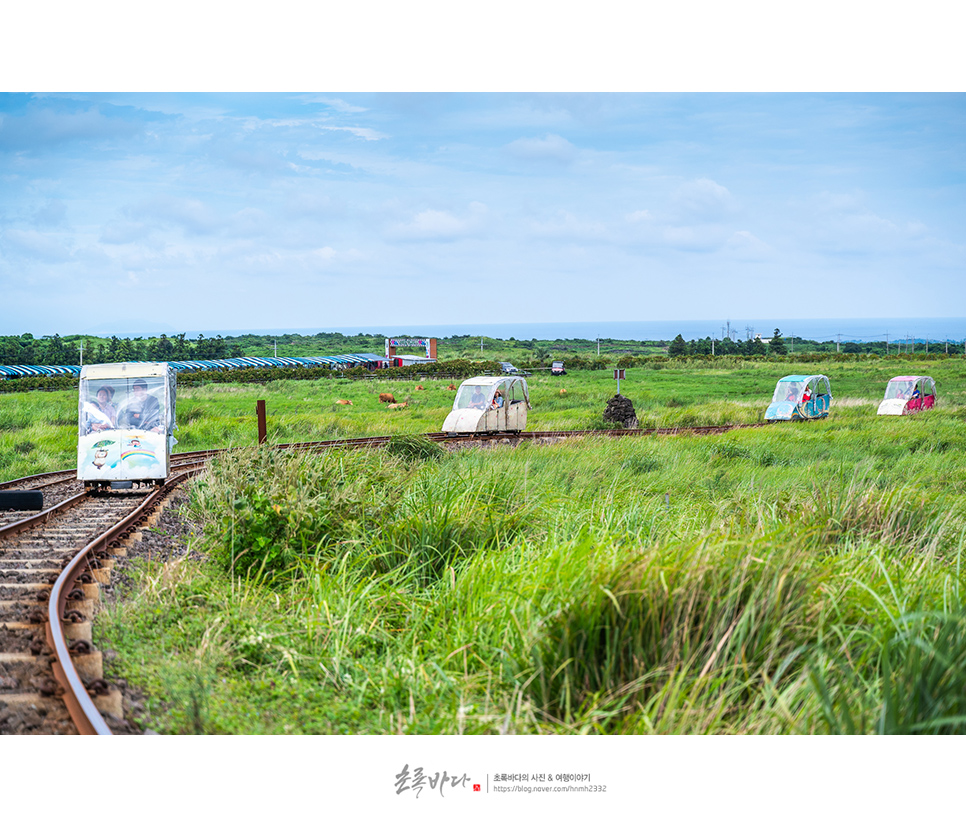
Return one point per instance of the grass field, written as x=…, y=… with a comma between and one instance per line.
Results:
x=795, y=578
x=38, y=429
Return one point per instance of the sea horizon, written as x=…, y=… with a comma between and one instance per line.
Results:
x=893, y=330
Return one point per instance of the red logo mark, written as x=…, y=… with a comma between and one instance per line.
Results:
x=476, y=787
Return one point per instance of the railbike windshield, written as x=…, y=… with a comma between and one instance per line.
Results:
x=906, y=389
x=475, y=396
x=123, y=403
x=787, y=391
x=899, y=389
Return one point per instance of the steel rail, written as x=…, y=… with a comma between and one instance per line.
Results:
x=41, y=517
x=17, y=481
x=81, y=707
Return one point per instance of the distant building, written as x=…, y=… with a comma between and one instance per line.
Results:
x=397, y=359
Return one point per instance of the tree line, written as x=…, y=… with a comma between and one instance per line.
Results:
x=778, y=346
x=66, y=350
x=57, y=350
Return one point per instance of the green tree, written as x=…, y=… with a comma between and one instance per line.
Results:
x=777, y=345
x=114, y=350
x=162, y=350
x=678, y=346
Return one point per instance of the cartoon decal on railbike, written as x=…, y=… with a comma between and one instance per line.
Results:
x=126, y=422
x=908, y=394
x=800, y=397
x=489, y=404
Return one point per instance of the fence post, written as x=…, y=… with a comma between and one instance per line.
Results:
x=262, y=427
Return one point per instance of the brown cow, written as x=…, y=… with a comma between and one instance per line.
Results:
x=563, y=392
x=420, y=388
x=397, y=405
x=387, y=398
x=343, y=402
x=451, y=387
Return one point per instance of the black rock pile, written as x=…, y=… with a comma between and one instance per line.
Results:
x=621, y=410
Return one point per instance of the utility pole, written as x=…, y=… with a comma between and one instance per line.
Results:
x=838, y=339
x=82, y=352
x=598, y=344
x=712, y=345
x=481, y=344
x=275, y=342
x=792, y=348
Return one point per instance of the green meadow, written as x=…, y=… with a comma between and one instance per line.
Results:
x=38, y=428
x=789, y=579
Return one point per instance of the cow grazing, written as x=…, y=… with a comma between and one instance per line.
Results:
x=387, y=398
x=563, y=392
x=451, y=387
x=420, y=388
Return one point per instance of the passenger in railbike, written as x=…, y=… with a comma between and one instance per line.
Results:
x=101, y=413
x=141, y=410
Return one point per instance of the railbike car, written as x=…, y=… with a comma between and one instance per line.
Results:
x=908, y=394
x=487, y=404
x=800, y=398
x=126, y=423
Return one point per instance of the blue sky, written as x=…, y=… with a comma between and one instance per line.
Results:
x=270, y=211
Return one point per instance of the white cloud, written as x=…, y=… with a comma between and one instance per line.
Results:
x=193, y=216
x=702, y=200
x=641, y=216
x=366, y=133
x=745, y=245
x=250, y=222
x=433, y=224
x=124, y=231
x=702, y=238
x=41, y=127
x=551, y=147
x=32, y=244
x=326, y=253
x=52, y=214
x=567, y=225
x=334, y=103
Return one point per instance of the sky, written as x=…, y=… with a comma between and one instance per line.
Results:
x=272, y=212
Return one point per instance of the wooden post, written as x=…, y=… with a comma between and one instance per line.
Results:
x=262, y=427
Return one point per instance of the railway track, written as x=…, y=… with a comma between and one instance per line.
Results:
x=53, y=562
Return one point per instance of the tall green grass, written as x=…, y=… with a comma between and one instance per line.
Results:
x=774, y=580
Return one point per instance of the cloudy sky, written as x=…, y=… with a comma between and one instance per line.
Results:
x=266, y=211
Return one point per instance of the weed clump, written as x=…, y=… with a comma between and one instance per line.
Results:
x=269, y=513
x=414, y=448
x=734, y=609
x=266, y=510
